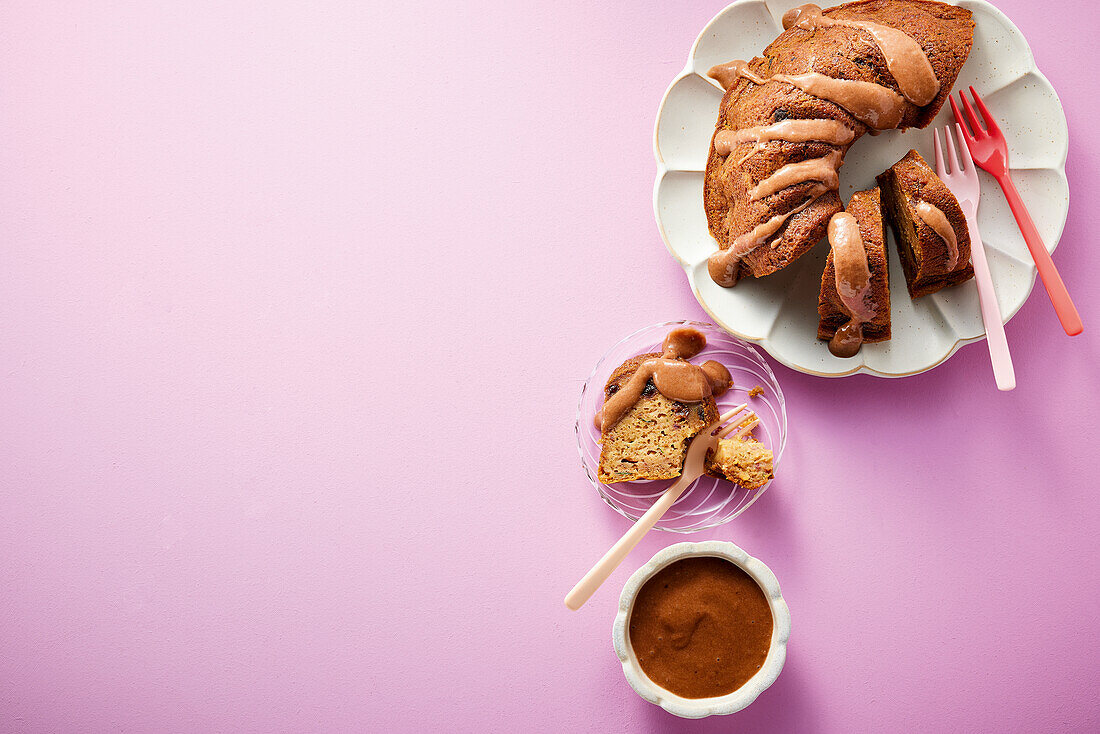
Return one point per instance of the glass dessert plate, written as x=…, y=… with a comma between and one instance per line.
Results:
x=708, y=502
x=779, y=312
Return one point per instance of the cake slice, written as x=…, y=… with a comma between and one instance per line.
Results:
x=930, y=229
x=855, y=287
x=651, y=440
x=654, y=404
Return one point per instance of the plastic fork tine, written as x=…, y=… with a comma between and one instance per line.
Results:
x=730, y=413
x=951, y=157
x=741, y=428
x=972, y=116
x=990, y=123
x=724, y=430
x=748, y=427
x=968, y=162
x=958, y=116
x=939, y=153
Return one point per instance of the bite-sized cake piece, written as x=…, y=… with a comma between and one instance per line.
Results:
x=654, y=405
x=743, y=461
x=789, y=116
x=929, y=227
x=854, y=304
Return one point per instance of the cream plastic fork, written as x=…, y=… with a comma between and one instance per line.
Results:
x=963, y=183
x=704, y=441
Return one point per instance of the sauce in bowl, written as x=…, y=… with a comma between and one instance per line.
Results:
x=701, y=627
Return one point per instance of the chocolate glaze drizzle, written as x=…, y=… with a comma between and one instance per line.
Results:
x=793, y=131
x=905, y=58
x=853, y=283
x=723, y=264
x=672, y=375
x=934, y=217
x=876, y=106
x=823, y=170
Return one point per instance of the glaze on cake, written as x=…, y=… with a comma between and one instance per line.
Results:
x=854, y=304
x=654, y=404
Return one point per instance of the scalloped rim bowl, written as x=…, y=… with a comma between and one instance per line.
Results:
x=697, y=708
x=779, y=312
x=708, y=502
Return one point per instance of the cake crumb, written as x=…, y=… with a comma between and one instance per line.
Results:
x=756, y=391
x=746, y=462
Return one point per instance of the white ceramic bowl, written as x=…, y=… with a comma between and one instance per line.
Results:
x=779, y=312
x=697, y=708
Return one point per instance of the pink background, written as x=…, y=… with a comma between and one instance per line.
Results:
x=296, y=301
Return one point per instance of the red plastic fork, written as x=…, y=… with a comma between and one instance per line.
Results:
x=990, y=152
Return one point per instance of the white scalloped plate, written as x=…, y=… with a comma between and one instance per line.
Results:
x=779, y=312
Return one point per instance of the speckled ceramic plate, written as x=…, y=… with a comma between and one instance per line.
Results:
x=779, y=312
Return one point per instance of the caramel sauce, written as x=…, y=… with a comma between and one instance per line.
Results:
x=853, y=283
x=701, y=627
x=672, y=375
x=853, y=274
x=874, y=105
x=791, y=131
x=726, y=74
x=847, y=340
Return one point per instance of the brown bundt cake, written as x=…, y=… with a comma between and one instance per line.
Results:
x=654, y=404
x=788, y=118
x=855, y=287
x=929, y=227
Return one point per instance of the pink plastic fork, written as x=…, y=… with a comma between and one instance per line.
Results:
x=962, y=179
x=990, y=152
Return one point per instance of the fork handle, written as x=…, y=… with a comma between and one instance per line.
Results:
x=592, y=580
x=1052, y=281
x=999, y=356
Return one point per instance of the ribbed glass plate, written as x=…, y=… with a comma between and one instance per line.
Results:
x=707, y=502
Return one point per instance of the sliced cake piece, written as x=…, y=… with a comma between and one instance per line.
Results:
x=654, y=404
x=854, y=304
x=930, y=229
